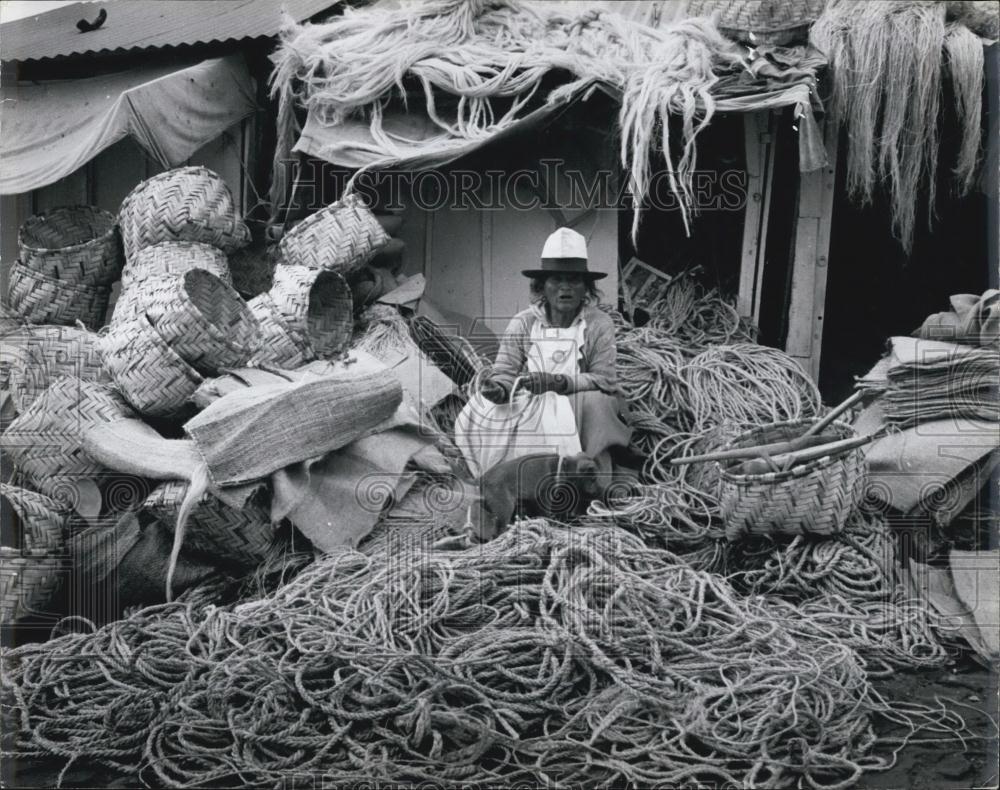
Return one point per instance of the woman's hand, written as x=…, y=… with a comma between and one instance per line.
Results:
x=538, y=383
x=494, y=391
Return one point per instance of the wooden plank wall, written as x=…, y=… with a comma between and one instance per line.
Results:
x=809, y=268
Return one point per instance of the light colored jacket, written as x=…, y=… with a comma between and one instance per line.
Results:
x=597, y=367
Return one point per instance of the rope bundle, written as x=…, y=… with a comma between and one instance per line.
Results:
x=548, y=656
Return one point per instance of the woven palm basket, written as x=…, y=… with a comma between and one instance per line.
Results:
x=184, y=204
x=316, y=303
x=814, y=498
x=151, y=376
x=175, y=257
x=342, y=237
x=278, y=344
x=234, y=537
x=35, y=356
x=452, y=353
x=769, y=22
x=45, y=442
x=39, y=521
x=203, y=320
x=44, y=300
x=29, y=583
x=74, y=244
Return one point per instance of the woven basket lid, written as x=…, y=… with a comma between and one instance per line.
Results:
x=759, y=16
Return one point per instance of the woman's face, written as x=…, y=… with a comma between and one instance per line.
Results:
x=565, y=292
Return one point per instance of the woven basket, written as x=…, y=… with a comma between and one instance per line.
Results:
x=316, y=303
x=147, y=371
x=75, y=244
x=342, y=237
x=45, y=442
x=814, y=498
x=42, y=520
x=278, y=344
x=237, y=537
x=35, y=356
x=28, y=583
x=203, y=320
x=772, y=22
x=43, y=300
x=184, y=204
x=452, y=353
x=175, y=257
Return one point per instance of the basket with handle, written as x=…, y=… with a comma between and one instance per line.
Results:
x=44, y=300
x=183, y=204
x=768, y=22
x=278, y=343
x=814, y=498
x=342, y=237
x=42, y=520
x=316, y=303
x=175, y=257
x=45, y=442
x=203, y=320
x=37, y=355
x=237, y=537
x=74, y=244
x=149, y=373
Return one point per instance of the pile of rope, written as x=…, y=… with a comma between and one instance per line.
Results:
x=549, y=656
x=694, y=379
x=477, y=64
x=850, y=585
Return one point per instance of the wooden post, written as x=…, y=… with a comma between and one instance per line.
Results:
x=757, y=140
x=807, y=304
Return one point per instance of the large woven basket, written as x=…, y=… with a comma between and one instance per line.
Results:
x=74, y=244
x=35, y=356
x=278, y=344
x=203, y=320
x=813, y=498
x=342, y=237
x=40, y=521
x=234, y=537
x=46, y=441
x=175, y=257
x=316, y=303
x=151, y=376
x=769, y=22
x=184, y=204
x=44, y=300
x=28, y=583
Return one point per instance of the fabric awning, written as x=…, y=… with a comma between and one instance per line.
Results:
x=50, y=129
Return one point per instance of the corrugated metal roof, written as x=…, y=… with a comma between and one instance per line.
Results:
x=147, y=24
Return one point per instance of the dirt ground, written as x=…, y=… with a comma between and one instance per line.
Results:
x=944, y=765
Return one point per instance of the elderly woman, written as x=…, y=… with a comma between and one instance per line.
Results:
x=553, y=387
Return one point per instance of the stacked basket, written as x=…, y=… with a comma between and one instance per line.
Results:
x=177, y=317
x=68, y=259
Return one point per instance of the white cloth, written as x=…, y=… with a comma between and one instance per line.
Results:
x=489, y=434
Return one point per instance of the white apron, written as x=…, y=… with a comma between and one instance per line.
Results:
x=488, y=433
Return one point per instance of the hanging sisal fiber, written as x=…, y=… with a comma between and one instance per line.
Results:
x=476, y=65
x=886, y=62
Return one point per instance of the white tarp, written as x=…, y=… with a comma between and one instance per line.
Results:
x=50, y=129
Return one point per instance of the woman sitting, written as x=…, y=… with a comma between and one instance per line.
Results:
x=553, y=387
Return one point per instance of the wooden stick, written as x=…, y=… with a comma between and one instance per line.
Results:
x=754, y=452
x=788, y=460
x=834, y=413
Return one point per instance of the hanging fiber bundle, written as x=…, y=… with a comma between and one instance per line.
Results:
x=886, y=61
